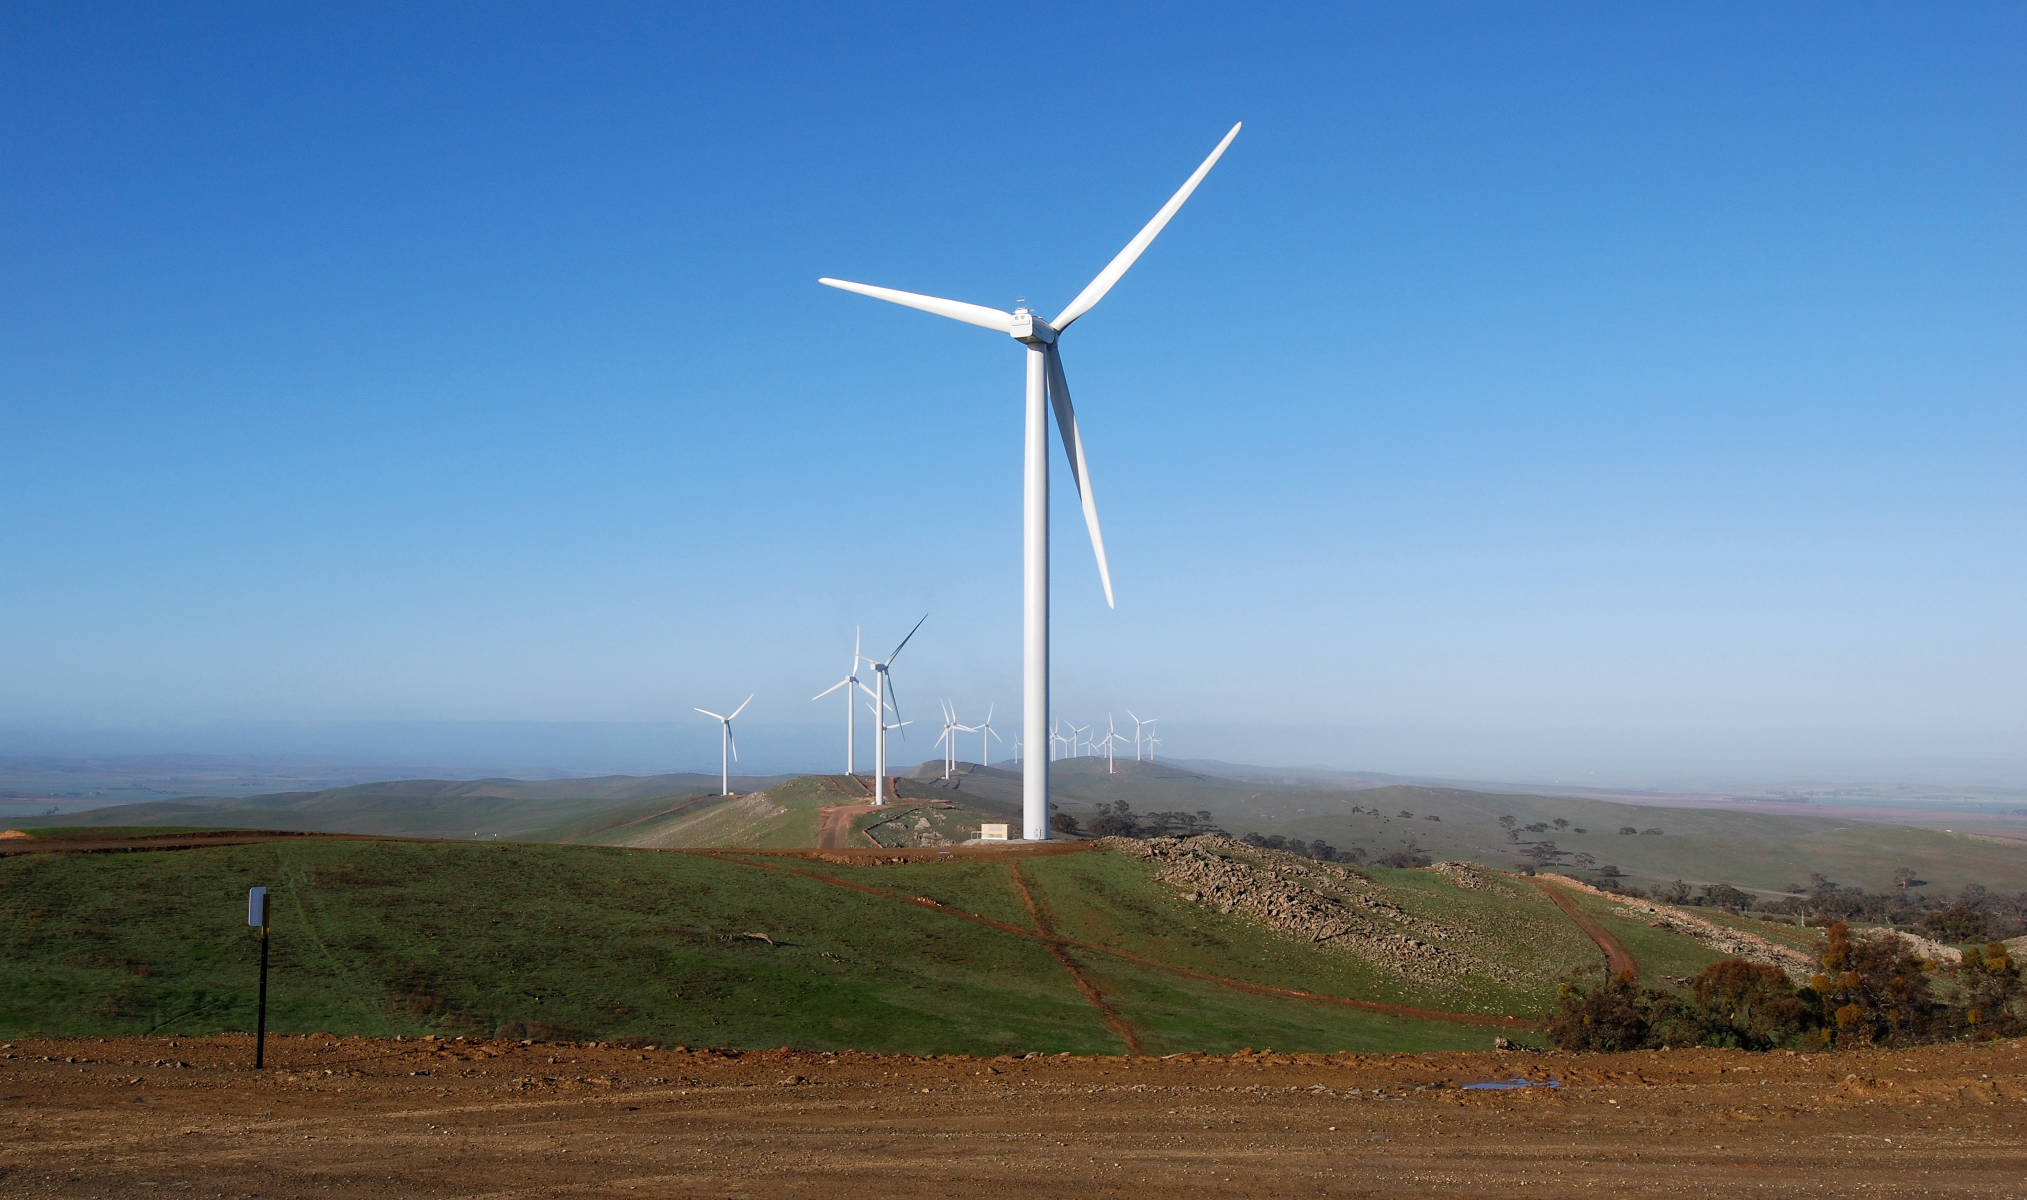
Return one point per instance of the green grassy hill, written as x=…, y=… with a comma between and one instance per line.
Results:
x=1082, y=951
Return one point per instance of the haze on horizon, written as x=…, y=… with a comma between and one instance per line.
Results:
x=1630, y=397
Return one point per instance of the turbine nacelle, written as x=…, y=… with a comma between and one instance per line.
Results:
x=1029, y=328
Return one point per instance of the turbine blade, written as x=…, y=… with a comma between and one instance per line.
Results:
x=732, y=742
x=956, y=310
x=870, y=692
x=742, y=704
x=893, y=699
x=707, y=712
x=1080, y=473
x=904, y=641
x=832, y=688
x=1095, y=290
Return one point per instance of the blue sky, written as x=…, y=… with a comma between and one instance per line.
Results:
x=1569, y=390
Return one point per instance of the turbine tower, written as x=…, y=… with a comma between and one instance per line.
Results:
x=729, y=750
x=849, y=682
x=883, y=699
x=1046, y=387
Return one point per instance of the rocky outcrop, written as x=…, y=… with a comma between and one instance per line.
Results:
x=1333, y=907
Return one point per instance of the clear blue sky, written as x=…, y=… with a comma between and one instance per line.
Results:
x=1604, y=391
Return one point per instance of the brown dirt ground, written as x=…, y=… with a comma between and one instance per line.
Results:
x=358, y=1117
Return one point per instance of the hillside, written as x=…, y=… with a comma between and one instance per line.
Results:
x=1083, y=948
x=1753, y=850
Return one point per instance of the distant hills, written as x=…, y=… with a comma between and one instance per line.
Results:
x=1646, y=843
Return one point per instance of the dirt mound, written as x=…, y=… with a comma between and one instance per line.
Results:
x=1333, y=907
x=13, y=833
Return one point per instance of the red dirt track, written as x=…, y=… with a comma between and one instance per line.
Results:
x=348, y=1117
x=1617, y=958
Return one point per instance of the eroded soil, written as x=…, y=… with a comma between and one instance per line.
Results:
x=363, y=1117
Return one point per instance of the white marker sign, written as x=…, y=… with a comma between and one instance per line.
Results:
x=992, y=833
x=256, y=907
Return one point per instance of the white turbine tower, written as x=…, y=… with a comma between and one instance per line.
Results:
x=729, y=750
x=1138, y=724
x=883, y=699
x=1152, y=742
x=1046, y=387
x=1077, y=739
x=849, y=682
x=1017, y=749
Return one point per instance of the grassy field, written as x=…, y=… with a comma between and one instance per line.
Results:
x=527, y=940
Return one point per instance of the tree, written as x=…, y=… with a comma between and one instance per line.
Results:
x=1063, y=822
x=1561, y=823
x=1585, y=860
x=1627, y=830
x=1955, y=924
x=1746, y=1004
x=1606, y=1018
x=1723, y=895
x=1508, y=821
x=1674, y=893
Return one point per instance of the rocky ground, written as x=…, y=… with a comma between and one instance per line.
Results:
x=357, y=1117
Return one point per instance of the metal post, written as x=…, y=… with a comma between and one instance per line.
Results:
x=260, y=1021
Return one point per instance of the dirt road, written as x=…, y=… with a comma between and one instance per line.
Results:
x=364, y=1118
x=1617, y=958
x=834, y=824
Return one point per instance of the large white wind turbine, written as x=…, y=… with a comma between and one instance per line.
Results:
x=849, y=683
x=1046, y=387
x=729, y=750
x=883, y=699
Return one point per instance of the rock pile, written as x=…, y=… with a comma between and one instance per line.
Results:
x=1330, y=906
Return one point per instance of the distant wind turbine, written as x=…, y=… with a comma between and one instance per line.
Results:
x=883, y=699
x=728, y=750
x=1046, y=387
x=948, y=739
x=1112, y=738
x=1138, y=724
x=986, y=733
x=850, y=682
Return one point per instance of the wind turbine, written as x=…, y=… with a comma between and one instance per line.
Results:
x=849, y=682
x=1152, y=742
x=1077, y=739
x=883, y=699
x=729, y=750
x=986, y=733
x=1112, y=738
x=948, y=738
x=1016, y=749
x=1046, y=387
x=1137, y=724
